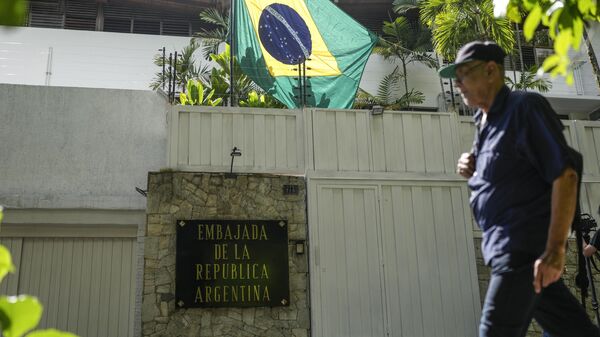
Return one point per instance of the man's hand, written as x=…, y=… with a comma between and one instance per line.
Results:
x=466, y=165
x=589, y=250
x=548, y=269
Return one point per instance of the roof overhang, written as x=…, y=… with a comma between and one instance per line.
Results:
x=568, y=105
x=174, y=5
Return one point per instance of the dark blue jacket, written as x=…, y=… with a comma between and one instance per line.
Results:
x=519, y=153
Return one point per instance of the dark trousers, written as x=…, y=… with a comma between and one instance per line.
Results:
x=511, y=303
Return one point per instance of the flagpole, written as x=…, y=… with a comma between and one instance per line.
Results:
x=231, y=55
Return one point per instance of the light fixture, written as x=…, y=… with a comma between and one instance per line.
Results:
x=376, y=110
x=235, y=152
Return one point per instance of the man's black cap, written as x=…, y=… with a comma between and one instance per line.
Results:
x=476, y=50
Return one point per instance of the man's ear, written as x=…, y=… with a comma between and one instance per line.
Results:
x=490, y=68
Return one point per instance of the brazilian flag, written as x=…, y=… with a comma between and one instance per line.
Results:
x=272, y=37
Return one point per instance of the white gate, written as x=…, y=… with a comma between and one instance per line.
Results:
x=391, y=258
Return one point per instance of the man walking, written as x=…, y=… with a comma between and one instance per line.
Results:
x=523, y=180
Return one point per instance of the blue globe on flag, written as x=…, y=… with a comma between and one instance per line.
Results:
x=284, y=34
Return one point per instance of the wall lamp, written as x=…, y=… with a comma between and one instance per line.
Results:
x=235, y=152
x=376, y=110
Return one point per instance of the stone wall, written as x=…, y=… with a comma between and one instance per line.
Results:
x=535, y=330
x=175, y=196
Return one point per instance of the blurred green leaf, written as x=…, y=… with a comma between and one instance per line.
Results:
x=562, y=68
x=6, y=265
x=13, y=12
x=577, y=32
x=532, y=22
x=513, y=13
x=23, y=313
x=529, y=4
x=550, y=62
x=50, y=333
x=587, y=6
x=563, y=41
x=570, y=78
x=553, y=21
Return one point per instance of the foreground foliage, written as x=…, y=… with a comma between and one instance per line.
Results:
x=566, y=20
x=13, y=12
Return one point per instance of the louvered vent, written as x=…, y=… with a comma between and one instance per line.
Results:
x=46, y=14
x=117, y=18
x=145, y=21
x=178, y=28
x=81, y=15
x=114, y=17
x=141, y=26
x=117, y=25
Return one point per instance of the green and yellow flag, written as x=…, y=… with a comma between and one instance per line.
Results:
x=273, y=37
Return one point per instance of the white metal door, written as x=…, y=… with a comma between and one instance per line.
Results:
x=346, y=278
x=391, y=258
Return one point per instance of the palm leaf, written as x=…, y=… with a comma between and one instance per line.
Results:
x=410, y=98
x=530, y=80
x=390, y=84
x=456, y=22
x=212, y=38
x=400, y=40
x=215, y=17
x=364, y=100
x=403, y=7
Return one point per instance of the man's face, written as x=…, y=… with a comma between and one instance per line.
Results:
x=472, y=83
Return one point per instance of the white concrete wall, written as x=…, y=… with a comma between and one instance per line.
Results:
x=78, y=147
x=124, y=61
x=81, y=58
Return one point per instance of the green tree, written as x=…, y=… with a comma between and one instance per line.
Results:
x=456, y=22
x=13, y=12
x=407, y=43
x=566, y=21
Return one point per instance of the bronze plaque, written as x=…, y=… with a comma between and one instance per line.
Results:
x=232, y=263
